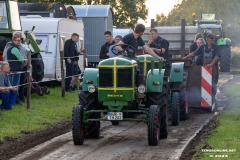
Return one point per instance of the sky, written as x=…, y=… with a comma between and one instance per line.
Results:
x=158, y=7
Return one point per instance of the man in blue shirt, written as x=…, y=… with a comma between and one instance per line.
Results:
x=8, y=93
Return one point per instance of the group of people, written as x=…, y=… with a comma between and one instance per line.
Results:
x=203, y=53
x=12, y=72
x=156, y=46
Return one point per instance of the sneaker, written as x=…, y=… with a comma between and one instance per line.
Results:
x=71, y=89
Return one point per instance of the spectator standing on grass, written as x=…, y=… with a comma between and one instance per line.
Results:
x=117, y=39
x=23, y=48
x=8, y=93
x=71, y=56
x=104, y=53
x=15, y=60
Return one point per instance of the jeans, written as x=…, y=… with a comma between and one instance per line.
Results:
x=8, y=99
x=15, y=79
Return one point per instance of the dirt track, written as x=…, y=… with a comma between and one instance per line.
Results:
x=126, y=141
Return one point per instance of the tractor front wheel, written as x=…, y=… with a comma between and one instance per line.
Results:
x=154, y=119
x=89, y=101
x=77, y=125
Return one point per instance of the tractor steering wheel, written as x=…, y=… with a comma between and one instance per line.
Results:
x=128, y=50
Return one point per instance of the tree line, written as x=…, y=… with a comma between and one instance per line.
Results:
x=225, y=10
x=126, y=12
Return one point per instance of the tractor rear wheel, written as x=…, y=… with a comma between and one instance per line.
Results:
x=154, y=119
x=175, y=108
x=88, y=101
x=77, y=125
x=183, y=107
x=225, y=59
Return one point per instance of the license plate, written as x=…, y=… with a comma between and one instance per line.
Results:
x=115, y=116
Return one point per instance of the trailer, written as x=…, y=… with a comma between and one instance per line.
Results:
x=53, y=32
x=97, y=19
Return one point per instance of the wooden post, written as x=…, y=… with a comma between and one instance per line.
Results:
x=183, y=24
x=29, y=80
x=62, y=41
x=152, y=23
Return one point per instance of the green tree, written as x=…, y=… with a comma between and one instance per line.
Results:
x=126, y=12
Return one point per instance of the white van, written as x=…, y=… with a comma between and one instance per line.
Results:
x=50, y=31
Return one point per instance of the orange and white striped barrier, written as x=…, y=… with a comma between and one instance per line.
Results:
x=206, y=87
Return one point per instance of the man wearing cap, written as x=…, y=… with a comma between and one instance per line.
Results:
x=210, y=55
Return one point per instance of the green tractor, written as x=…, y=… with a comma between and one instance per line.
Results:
x=121, y=87
x=208, y=23
x=178, y=80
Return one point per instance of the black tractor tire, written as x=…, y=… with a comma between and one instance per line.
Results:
x=154, y=119
x=160, y=99
x=77, y=125
x=37, y=67
x=89, y=101
x=175, y=108
x=115, y=123
x=225, y=59
x=183, y=109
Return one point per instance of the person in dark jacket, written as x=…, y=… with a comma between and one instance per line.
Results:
x=104, y=53
x=16, y=60
x=71, y=56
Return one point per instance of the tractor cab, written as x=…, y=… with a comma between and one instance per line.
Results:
x=9, y=22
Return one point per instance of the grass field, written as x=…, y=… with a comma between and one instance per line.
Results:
x=45, y=111
x=226, y=137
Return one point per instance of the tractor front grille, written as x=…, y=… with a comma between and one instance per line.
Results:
x=124, y=77
x=105, y=77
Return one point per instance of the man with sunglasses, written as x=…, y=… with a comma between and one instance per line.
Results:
x=209, y=53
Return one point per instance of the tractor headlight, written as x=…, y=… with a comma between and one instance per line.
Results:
x=141, y=88
x=91, y=88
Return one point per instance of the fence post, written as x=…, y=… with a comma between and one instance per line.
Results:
x=28, y=80
x=62, y=41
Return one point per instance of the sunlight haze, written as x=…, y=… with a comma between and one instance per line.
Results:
x=158, y=7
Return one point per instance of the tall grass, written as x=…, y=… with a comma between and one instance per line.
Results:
x=227, y=136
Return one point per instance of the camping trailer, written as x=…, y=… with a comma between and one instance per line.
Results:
x=97, y=19
x=52, y=32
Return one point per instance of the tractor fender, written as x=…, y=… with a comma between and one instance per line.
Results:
x=176, y=72
x=224, y=42
x=154, y=81
x=89, y=78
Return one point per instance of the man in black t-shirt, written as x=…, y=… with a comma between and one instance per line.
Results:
x=134, y=39
x=158, y=44
x=104, y=53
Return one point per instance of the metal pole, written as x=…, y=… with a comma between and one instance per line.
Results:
x=29, y=80
x=62, y=41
